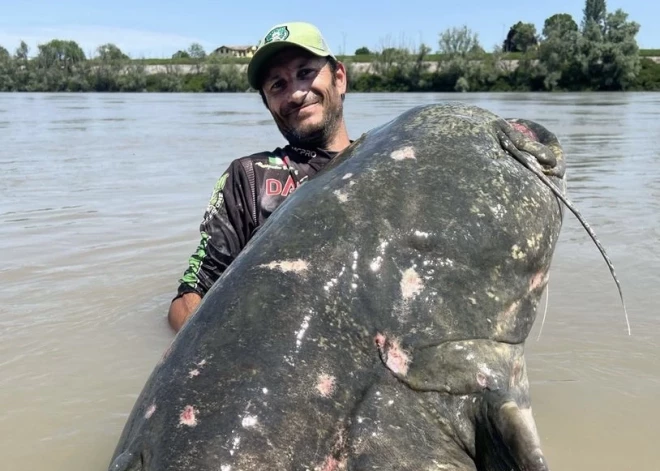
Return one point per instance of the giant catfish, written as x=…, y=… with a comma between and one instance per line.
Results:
x=377, y=320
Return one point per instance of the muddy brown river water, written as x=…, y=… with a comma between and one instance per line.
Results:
x=101, y=196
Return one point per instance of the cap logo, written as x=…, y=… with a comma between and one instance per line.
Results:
x=277, y=34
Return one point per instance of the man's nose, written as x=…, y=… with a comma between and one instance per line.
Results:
x=298, y=94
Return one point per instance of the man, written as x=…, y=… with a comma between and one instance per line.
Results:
x=303, y=86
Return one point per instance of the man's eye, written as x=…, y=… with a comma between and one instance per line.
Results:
x=276, y=85
x=305, y=72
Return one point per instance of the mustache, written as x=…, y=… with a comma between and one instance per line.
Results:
x=292, y=108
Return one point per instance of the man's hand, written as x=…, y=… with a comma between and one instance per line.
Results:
x=181, y=309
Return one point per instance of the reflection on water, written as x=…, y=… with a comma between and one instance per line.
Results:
x=101, y=197
x=227, y=113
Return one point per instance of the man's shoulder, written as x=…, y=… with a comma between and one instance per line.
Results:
x=262, y=157
x=264, y=162
x=237, y=166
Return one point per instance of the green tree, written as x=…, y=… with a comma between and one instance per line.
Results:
x=389, y=58
x=558, y=53
x=559, y=25
x=615, y=62
x=392, y=65
x=649, y=75
x=595, y=11
x=458, y=68
x=224, y=76
x=60, y=53
x=459, y=42
x=362, y=51
x=110, y=53
x=21, y=72
x=132, y=79
x=418, y=73
x=6, y=71
x=22, y=52
x=181, y=55
x=105, y=76
x=608, y=55
x=196, y=51
x=521, y=38
x=169, y=81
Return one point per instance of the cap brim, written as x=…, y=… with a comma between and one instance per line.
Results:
x=265, y=53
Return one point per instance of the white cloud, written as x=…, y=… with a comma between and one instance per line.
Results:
x=135, y=43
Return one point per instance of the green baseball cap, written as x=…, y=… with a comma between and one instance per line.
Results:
x=304, y=35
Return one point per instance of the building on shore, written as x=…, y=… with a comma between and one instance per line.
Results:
x=235, y=51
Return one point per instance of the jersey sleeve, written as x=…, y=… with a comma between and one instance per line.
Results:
x=224, y=231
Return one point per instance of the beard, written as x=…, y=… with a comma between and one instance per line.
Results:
x=316, y=135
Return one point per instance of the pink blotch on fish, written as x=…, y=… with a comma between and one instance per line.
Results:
x=187, y=417
x=326, y=385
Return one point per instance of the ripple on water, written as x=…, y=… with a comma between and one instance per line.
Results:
x=225, y=113
x=71, y=121
x=116, y=119
x=247, y=123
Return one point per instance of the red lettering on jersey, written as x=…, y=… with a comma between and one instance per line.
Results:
x=289, y=186
x=273, y=187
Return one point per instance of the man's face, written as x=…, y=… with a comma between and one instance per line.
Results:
x=304, y=97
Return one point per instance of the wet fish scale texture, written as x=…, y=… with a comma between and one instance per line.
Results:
x=410, y=301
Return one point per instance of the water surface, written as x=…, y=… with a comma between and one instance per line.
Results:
x=100, y=201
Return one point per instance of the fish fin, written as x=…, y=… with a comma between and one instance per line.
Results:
x=129, y=461
x=506, y=437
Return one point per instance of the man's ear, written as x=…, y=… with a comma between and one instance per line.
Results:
x=342, y=78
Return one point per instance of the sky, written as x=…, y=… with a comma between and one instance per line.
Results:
x=158, y=28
